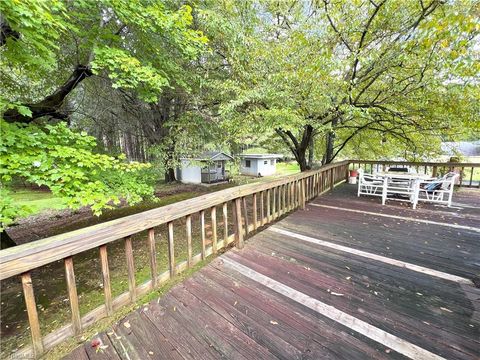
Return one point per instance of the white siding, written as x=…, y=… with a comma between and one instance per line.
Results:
x=189, y=173
x=258, y=167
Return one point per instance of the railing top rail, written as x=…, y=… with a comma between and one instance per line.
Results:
x=415, y=163
x=22, y=258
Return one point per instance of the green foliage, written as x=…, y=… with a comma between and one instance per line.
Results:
x=64, y=161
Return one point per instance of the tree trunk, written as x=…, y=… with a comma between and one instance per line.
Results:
x=311, y=151
x=170, y=175
x=330, y=143
x=299, y=148
x=50, y=105
x=5, y=240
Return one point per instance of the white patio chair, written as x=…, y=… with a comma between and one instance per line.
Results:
x=436, y=190
x=372, y=185
x=400, y=189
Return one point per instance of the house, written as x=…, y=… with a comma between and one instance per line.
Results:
x=207, y=168
x=258, y=164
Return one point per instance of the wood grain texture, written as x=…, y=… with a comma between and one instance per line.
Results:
x=152, y=253
x=254, y=210
x=188, y=229
x=269, y=202
x=130, y=268
x=225, y=223
x=31, y=306
x=171, y=250
x=107, y=289
x=72, y=296
x=245, y=214
x=213, y=216
x=238, y=223
x=203, y=239
x=262, y=208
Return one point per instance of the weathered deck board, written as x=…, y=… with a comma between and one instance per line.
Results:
x=221, y=313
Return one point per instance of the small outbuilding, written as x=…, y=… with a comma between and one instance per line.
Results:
x=207, y=168
x=258, y=164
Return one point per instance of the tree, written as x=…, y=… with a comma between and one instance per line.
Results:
x=47, y=51
x=329, y=72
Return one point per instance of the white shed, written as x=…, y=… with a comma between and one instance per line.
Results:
x=207, y=168
x=258, y=164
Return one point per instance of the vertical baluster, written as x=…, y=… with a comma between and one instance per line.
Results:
x=238, y=223
x=202, y=232
x=268, y=205
x=302, y=194
x=461, y=176
x=153, y=256
x=72, y=295
x=262, y=208
x=213, y=215
x=188, y=229
x=171, y=250
x=434, y=171
x=107, y=290
x=274, y=202
x=254, y=211
x=225, y=224
x=471, y=177
x=130, y=268
x=245, y=213
x=332, y=182
x=32, y=314
x=284, y=199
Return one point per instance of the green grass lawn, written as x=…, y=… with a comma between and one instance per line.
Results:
x=287, y=168
x=37, y=201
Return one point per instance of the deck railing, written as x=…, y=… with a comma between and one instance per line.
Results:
x=269, y=201
x=469, y=172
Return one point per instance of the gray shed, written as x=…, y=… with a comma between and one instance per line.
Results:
x=208, y=167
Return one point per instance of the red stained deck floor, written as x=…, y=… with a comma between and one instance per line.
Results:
x=221, y=313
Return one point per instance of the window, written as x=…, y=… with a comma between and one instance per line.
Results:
x=247, y=163
x=265, y=162
x=272, y=162
x=219, y=165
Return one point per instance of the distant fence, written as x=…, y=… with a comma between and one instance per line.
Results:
x=269, y=200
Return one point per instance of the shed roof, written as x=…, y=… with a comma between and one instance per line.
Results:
x=211, y=156
x=260, y=156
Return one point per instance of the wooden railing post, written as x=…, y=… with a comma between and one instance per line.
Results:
x=434, y=171
x=332, y=181
x=31, y=306
x=188, y=229
x=238, y=222
x=255, y=225
x=225, y=224
x=72, y=295
x=262, y=208
x=245, y=213
x=213, y=215
x=171, y=250
x=130, y=268
x=152, y=252
x=202, y=234
x=268, y=206
x=107, y=290
x=302, y=194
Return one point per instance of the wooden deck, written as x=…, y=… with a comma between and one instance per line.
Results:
x=346, y=278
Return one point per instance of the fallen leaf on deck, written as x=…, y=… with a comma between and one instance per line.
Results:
x=95, y=343
x=445, y=309
x=336, y=294
x=348, y=277
x=387, y=351
x=150, y=352
x=126, y=324
x=273, y=322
